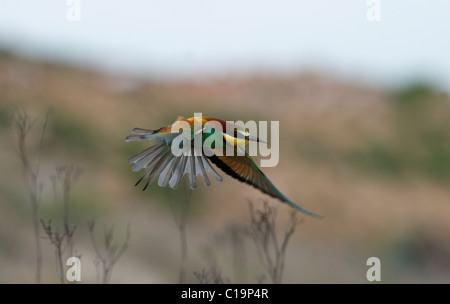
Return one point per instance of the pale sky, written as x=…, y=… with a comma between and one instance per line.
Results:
x=186, y=38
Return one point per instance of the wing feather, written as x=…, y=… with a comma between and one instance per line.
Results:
x=179, y=173
x=244, y=169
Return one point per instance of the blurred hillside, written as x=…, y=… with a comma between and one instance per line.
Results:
x=375, y=163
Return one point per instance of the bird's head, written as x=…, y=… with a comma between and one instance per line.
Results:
x=234, y=132
x=245, y=135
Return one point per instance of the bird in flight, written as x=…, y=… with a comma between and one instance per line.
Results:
x=173, y=153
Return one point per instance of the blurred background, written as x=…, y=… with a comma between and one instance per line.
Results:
x=360, y=91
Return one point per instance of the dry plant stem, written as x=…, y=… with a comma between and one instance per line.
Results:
x=19, y=128
x=66, y=176
x=35, y=210
x=180, y=221
x=61, y=241
x=264, y=234
x=69, y=175
x=111, y=253
x=211, y=276
x=183, y=235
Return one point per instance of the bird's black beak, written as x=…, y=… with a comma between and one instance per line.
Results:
x=254, y=138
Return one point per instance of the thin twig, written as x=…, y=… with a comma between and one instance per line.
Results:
x=211, y=276
x=108, y=258
x=181, y=221
x=65, y=177
x=41, y=142
x=61, y=242
x=263, y=231
x=19, y=126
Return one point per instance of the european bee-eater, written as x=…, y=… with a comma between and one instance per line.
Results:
x=159, y=160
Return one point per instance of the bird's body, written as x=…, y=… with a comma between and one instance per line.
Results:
x=159, y=160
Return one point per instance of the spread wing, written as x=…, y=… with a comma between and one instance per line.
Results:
x=158, y=161
x=244, y=169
